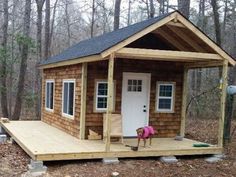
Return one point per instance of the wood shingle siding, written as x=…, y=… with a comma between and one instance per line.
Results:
x=167, y=124
x=55, y=118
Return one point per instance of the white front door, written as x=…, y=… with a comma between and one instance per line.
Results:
x=135, y=101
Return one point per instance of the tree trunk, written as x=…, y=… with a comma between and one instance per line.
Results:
x=214, y=4
x=225, y=17
x=47, y=30
x=152, y=9
x=184, y=6
x=93, y=18
x=52, y=23
x=23, y=65
x=117, y=15
x=3, y=73
x=37, y=89
x=67, y=24
x=129, y=10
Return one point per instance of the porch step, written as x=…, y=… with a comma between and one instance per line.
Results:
x=168, y=159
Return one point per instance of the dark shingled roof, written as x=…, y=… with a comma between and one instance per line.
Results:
x=101, y=43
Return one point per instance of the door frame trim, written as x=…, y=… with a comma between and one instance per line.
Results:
x=148, y=75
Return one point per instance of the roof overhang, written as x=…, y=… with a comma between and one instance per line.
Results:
x=174, y=19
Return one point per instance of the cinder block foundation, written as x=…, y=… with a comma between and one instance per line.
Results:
x=3, y=138
x=215, y=158
x=168, y=159
x=110, y=160
x=36, y=168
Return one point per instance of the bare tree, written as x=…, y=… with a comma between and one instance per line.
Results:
x=52, y=23
x=3, y=74
x=117, y=14
x=47, y=30
x=24, y=49
x=214, y=4
x=184, y=6
x=37, y=84
x=152, y=9
x=129, y=11
x=93, y=18
x=67, y=18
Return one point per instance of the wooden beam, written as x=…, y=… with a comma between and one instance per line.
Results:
x=139, y=34
x=184, y=102
x=165, y=55
x=203, y=64
x=170, y=39
x=202, y=36
x=92, y=58
x=187, y=39
x=176, y=24
x=222, y=103
x=83, y=100
x=109, y=100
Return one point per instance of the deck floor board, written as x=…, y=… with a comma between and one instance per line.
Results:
x=44, y=142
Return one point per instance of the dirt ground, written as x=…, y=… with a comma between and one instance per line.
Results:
x=13, y=161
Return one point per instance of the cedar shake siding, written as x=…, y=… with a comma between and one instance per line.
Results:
x=167, y=124
x=55, y=118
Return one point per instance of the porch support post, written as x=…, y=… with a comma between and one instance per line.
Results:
x=83, y=100
x=109, y=100
x=222, y=103
x=184, y=102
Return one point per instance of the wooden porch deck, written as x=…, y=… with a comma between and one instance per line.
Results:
x=44, y=142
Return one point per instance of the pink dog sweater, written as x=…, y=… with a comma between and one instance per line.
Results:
x=147, y=132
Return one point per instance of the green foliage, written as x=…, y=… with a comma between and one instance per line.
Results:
x=22, y=40
x=29, y=99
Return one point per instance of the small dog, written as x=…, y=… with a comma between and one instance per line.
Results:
x=145, y=133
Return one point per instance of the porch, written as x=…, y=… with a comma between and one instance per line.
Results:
x=46, y=143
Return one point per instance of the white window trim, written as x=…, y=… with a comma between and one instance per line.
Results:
x=65, y=114
x=171, y=110
x=49, y=81
x=95, y=109
x=101, y=96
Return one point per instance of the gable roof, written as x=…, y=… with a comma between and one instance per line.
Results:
x=101, y=46
x=101, y=43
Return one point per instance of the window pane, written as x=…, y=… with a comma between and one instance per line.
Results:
x=65, y=98
x=164, y=103
x=101, y=102
x=129, y=82
x=165, y=90
x=47, y=95
x=71, y=98
x=102, y=88
x=51, y=95
x=134, y=85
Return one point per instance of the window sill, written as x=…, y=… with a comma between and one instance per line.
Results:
x=49, y=110
x=64, y=115
x=164, y=112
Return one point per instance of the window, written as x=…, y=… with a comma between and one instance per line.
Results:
x=68, y=98
x=49, y=95
x=165, y=97
x=101, y=95
x=134, y=85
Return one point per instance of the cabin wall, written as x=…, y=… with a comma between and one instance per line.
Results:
x=55, y=118
x=167, y=124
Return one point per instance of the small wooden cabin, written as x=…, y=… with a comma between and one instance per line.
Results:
x=139, y=72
